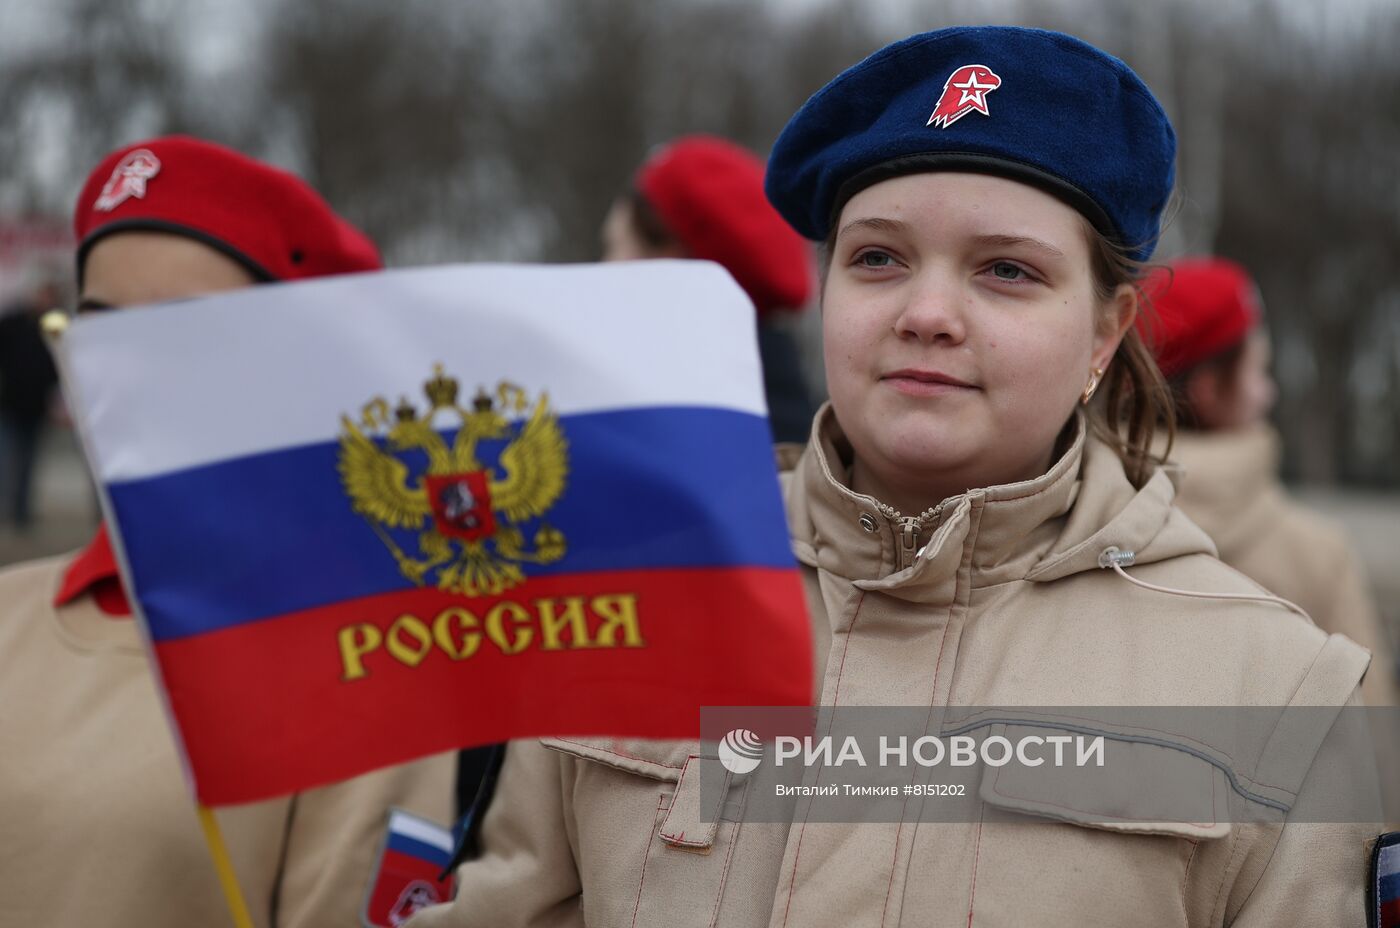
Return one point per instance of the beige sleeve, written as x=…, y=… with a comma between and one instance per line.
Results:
x=1315, y=874
x=1352, y=612
x=527, y=875
x=334, y=833
x=1316, y=877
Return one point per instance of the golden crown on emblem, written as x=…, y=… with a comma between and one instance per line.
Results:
x=441, y=390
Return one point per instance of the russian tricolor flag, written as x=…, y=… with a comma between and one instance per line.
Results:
x=370, y=518
x=415, y=852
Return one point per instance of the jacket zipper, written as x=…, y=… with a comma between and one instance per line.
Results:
x=909, y=529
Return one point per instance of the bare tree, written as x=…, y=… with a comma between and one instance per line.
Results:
x=502, y=129
x=67, y=101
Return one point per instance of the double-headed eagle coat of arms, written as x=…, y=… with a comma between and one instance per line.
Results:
x=467, y=513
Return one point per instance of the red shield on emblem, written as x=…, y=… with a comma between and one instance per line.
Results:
x=462, y=505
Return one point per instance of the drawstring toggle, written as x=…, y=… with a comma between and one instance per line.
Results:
x=1113, y=557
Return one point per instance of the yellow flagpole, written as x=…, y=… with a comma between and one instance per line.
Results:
x=232, y=894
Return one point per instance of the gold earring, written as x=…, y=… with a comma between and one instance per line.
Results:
x=1095, y=376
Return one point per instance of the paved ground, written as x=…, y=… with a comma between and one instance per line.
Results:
x=67, y=512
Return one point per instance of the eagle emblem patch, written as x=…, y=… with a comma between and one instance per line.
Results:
x=469, y=514
x=965, y=90
x=129, y=179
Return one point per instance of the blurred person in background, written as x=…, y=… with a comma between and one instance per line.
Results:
x=1211, y=343
x=27, y=381
x=702, y=197
x=97, y=825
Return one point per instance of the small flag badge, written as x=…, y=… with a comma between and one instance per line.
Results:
x=405, y=880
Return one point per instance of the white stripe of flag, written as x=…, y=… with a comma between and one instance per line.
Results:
x=325, y=347
x=420, y=829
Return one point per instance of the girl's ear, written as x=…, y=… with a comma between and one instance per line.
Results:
x=1114, y=321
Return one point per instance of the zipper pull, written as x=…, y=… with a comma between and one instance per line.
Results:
x=908, y=542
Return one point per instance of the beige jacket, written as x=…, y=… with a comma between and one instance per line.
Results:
x=96, y=824
x=1230, y=488
x=996, y=599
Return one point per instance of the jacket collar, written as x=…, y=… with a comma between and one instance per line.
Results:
x=95, y=569
x=1042, y=529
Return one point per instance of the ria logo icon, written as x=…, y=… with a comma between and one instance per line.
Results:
x=740, y=751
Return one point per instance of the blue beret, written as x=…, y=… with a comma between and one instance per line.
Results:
x=1039, y=107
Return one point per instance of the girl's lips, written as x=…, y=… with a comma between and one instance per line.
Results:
x=925, y=383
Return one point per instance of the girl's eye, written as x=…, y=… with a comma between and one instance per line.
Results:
x=874, y=259
x=1005, y=270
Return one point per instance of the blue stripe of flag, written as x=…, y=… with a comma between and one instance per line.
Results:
x=403, y=844
x=271, y=534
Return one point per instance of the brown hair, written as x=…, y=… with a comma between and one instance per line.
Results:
x=1134, y=401
x=1225, y=365
x=647, y=222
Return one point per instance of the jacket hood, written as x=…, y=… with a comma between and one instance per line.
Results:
x=1043, y=529
x=1228, y=485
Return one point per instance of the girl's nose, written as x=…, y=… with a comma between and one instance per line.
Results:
x=934, y=309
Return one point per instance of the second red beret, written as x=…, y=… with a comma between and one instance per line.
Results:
x=709, y=194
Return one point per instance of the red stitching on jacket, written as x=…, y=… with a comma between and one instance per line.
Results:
x=724, y=872
x=679, y=839
x=976, y=857
x=645, y=858
x=889, y=890
x=840, y=672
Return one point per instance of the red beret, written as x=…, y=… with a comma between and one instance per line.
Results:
x=1203, y=306
x=709, y=194
x=266, y=219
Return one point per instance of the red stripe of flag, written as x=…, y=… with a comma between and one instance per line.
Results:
x=279, y=704
x=403, y=885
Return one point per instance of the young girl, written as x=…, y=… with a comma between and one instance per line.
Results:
x=975, y=512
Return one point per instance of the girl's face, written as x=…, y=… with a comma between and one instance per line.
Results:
x=621, y=240
x=135, y=267
x=961, y=326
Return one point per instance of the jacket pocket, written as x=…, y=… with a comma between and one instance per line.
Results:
x=1139, y=788
x=655, y=849
x=1096, y=846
